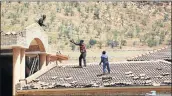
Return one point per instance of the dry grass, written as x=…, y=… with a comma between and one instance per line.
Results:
x=114, y=19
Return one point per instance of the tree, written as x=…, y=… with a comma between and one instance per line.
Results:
x=49, y=40
x=112, y=43
x=166, y=17
x=92, y=42
x=151, y=42
x=130, y=34
x=123, y=42
x=96, y=14
x=168, y=42
x=115, y=34
x=134, y=43
x=100, y=44
x=73, y=47
x=52, y=18
x=137, y=30
x=157, y=39
x=162, y=37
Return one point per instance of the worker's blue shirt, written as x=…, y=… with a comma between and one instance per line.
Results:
x=104, y=58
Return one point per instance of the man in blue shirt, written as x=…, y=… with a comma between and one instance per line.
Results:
x=104, y=60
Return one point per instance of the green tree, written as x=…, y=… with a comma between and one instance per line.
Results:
x=92, y=42
x=151, y=42
x=130, y=34
x=52, y=18
x=72, y=47
x=100, y=44
x=96, y=13
x=137, y=30
x=49, y=40
x=123, y=42
x=115, y=35
x=166, y=17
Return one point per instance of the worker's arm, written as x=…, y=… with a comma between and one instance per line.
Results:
x=74, y=42
x=101, y=61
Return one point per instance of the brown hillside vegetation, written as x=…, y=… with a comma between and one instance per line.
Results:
x=100, y=24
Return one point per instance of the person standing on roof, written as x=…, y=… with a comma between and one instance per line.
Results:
x=83, y=52
x=104, y=60
x=41, y=20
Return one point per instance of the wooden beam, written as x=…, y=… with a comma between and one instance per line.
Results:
x=93, y=91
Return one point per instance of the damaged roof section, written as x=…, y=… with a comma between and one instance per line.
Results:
x=137, y=73
x=162, y=54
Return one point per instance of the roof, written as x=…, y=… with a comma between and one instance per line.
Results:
x=163, y=54
x=154, y=73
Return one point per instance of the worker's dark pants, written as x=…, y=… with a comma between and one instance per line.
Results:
x=82, y=56
x=104, y=67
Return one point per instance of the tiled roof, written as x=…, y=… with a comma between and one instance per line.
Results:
x=122, y=74
x=163, y=54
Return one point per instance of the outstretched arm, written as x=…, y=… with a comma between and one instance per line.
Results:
x=74, y=42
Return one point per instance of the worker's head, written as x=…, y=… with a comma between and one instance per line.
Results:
x=81, y=41
x=43, y=16
x=104, y=52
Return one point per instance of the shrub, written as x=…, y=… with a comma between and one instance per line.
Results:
x=96, y=14
x=123, y=42
x=168, y=42
x=120, y=47
x=151, y=42
x=115, y=34
x=130, y=34
x=50, y=40
x=62, y=47
x=124, y=5
x=159, y=23
x=153, y=14
x=137, y=30
x=88, y=46
x=73, y=47
x=144, y=22
x=134, y=43
x=79, y=9
x=92, y=42
x=112, y=44
x=75, y=4
x=166, y=17
x=58, y=10
x=100, y=44
x=66, y=11
x=26, y=5
x=52, y=19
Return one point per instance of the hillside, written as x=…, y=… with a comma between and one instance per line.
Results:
x=100, y=24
